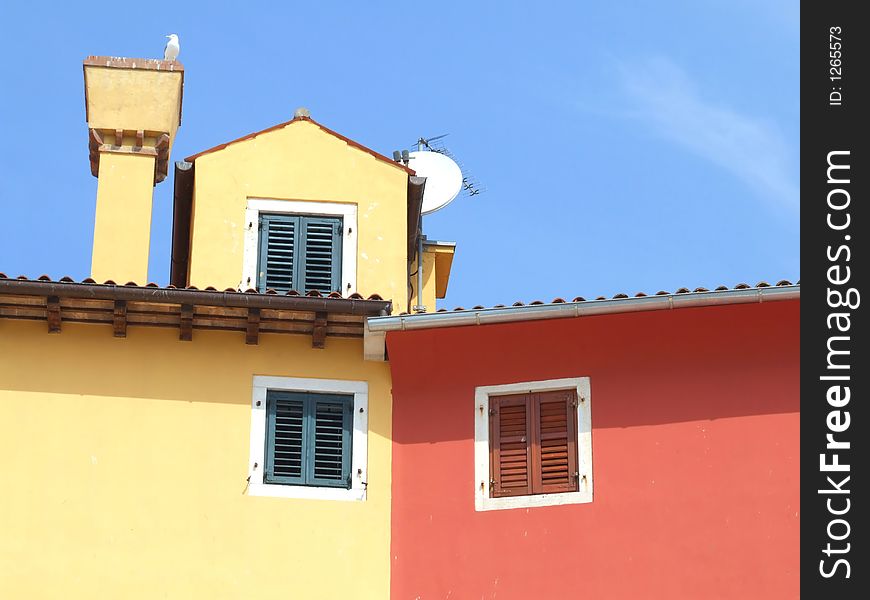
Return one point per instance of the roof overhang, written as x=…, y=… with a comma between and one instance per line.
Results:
x=186, y=309
x=444, y=252
x=376, y=328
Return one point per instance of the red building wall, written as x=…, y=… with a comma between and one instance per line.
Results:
x=695, y=416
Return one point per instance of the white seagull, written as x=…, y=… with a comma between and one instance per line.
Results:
x=172, y=48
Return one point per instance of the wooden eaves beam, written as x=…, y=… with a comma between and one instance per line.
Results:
x=52, y=309
x=119, y=318
x=318, y=334
x=252, y=334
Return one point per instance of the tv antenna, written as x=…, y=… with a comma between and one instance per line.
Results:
x=434, y=144
x=445, y=177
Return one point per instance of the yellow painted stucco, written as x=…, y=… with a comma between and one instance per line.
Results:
x=133, y=99
x=301, y=162
x=429, y=278
x=128, y=100
x=124, y=467
x=125, y=459
x=437, y=261
x=122, y=225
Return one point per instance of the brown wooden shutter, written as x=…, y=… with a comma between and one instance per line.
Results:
x=510, y=445
x=554, y=442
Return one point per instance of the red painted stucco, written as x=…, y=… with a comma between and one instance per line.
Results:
x=695, y=417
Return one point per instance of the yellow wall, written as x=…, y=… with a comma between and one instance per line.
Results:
x=122, y=227
x=124, y=465
x=300, y=162
x=428, y=283
x=133, y=99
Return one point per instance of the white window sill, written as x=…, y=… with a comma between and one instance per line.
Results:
x=484, y=502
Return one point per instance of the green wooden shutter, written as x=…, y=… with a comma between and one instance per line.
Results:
x=299, y=253
x=308, y=438
x=277, y=267
x=322, y=243
x=284, y=437
x=329, y=448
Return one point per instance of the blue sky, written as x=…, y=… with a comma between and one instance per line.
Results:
x=624, y=146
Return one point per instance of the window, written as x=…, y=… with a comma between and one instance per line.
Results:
x=309, y=438
x=533, y=444
x=299, y=253
x=333, y=258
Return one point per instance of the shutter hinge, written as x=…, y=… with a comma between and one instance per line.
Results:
x=573, y=402
x=491, y=412
x=492, y=484
x=576, y=476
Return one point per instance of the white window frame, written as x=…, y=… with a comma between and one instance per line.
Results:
x=359, y=450
x=482, y=476
x=347, y=212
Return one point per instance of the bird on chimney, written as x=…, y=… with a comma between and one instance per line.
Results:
x=172, y=48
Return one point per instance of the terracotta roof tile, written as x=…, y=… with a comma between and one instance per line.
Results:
x=347, y=140
x=133, y=284
x=299, y=314
x=623, y=296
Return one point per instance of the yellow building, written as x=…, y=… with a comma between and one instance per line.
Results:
x=188, y=442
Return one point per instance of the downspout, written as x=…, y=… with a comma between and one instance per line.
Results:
x=420, y=307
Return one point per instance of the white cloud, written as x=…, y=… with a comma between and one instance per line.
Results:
x=665, y=98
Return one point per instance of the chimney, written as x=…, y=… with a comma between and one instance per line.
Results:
x=133, y=109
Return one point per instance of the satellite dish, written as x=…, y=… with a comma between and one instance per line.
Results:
x=443, y=179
